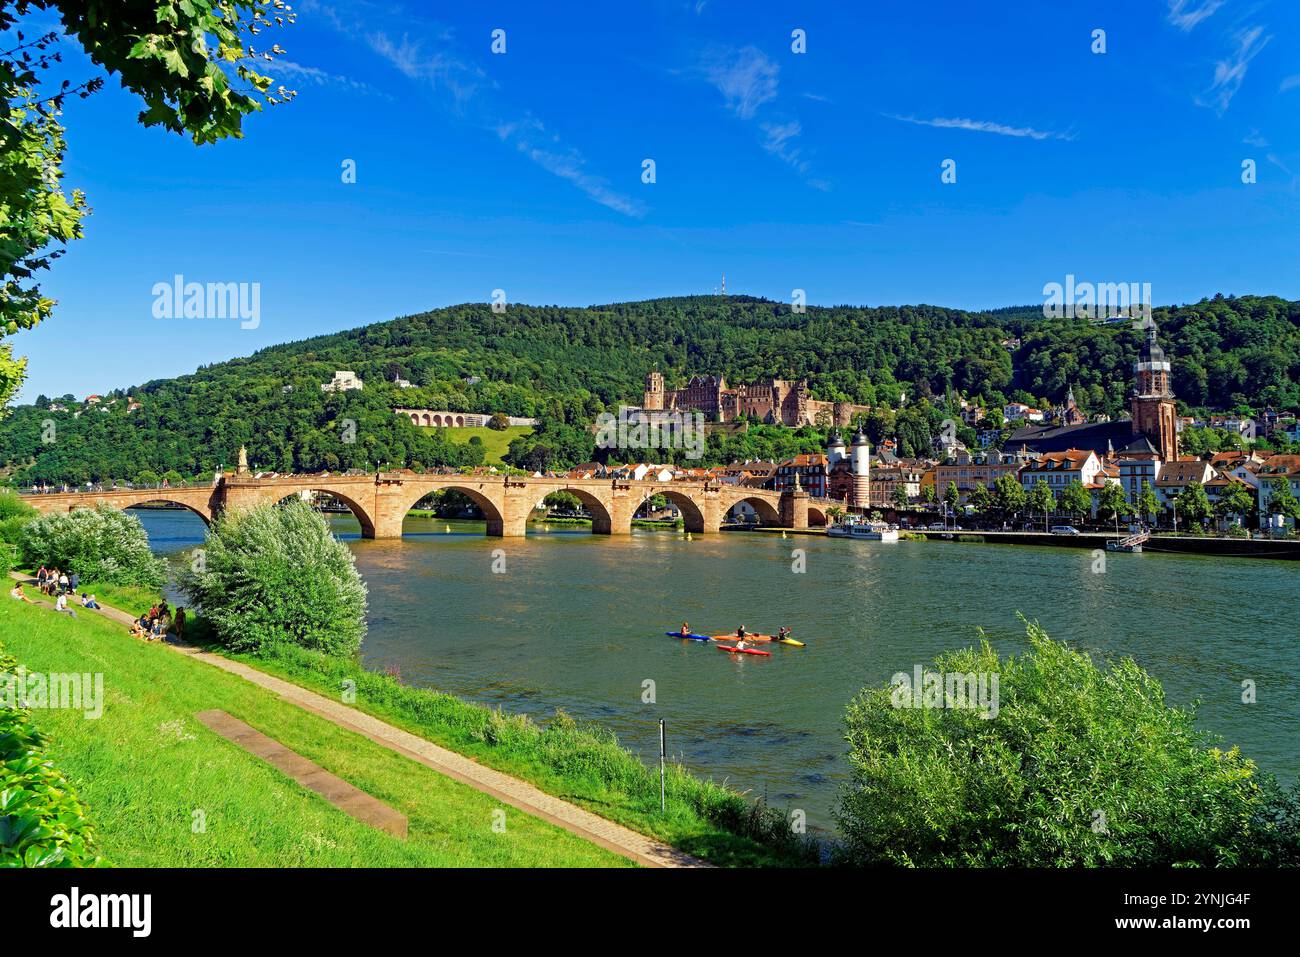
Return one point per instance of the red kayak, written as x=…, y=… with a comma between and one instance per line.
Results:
x=743, y=651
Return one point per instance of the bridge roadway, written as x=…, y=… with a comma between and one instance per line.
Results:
x=381, y=501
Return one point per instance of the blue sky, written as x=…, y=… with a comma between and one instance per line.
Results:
x=818, y=170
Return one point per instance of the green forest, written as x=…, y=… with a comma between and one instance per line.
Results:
x=565, y=365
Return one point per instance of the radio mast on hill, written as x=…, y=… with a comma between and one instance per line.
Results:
x=724, y=283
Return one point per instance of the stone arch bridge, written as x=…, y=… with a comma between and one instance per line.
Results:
x=380, y=502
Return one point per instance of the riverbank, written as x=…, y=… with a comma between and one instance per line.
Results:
x=164, y=791
x=581, y=764
x=1285, y=549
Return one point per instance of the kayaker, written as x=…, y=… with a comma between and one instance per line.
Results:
x=740, y=632
x=686, y=630
x=783, y=633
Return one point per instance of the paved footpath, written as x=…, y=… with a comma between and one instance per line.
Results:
x=509, y=790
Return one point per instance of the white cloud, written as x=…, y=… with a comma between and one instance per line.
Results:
x=983, y=126
x=1289, y=83
x=475, y=97
x=532, y=139
x=746, y=78
x=288, y=70
x=1229, y=74
x=1186, y=14
x=780, y=142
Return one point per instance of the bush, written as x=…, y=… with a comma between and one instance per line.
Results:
x=42, y=822
x=14, y=516
x=100, y=544
x=1081, y=766
x=275, y=575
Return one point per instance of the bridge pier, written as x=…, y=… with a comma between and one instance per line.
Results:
x=794, y=508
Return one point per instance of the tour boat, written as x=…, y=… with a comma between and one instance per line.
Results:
x=875, y=532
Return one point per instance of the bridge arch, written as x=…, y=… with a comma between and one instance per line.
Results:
x=817, y=517
x=491, y=512
x=768, y=514
x=692, y=513
x=363, y=517
x=602, y=521
x=202, y=513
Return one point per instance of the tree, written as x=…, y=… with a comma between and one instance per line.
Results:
x=103, y=545
x=932, y=783
x=899, y=495
x=981, y=499
x=1111, y=503
x=1192, y=504
x=952, y=495
x=1075, y=499
x=1009, y=495
x=1282, y=500
x=1236, y=500
x=275, y=575
x=1042, y=500
x=928, y=495
x=1148, y=503
x=499, y=421
x=190, y=62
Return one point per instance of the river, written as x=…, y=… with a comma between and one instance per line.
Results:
x=566, y=619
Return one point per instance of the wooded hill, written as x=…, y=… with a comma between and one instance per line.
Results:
x=564, y=365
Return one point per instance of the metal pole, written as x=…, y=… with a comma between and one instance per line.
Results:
x=663, y=794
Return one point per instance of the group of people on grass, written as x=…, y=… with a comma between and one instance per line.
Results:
x=151, y=626
x=59, y=585
x=154, y=624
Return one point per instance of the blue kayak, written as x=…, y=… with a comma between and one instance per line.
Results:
x=693, y=637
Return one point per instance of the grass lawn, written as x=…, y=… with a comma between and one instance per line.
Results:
x=146, y=766
x=494, y=443
x=582, y=764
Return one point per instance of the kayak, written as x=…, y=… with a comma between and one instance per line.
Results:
x=692, y=636
x=744, y=651
x=782, y=641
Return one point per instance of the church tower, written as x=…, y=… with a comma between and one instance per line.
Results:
x=1154, y=412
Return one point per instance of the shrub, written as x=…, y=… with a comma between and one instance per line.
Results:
x=275, y=575
x=42, y=822
x=14, y=516
x=100, y=544
x=1081, y=766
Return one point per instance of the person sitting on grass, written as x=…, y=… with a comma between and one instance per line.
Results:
x=18, y=594
x=156, y=630
x=61, y=606
x=88, y=601
x=140, y=627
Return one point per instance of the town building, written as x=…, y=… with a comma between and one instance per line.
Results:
x=967, y=470
x=1060, y=469
x=343, y=381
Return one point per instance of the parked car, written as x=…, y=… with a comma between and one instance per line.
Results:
x=1065, y=530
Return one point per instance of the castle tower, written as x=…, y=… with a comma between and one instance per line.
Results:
x=1154, y=412
x=653, y=400
x=861, y=463
x=835, y=451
